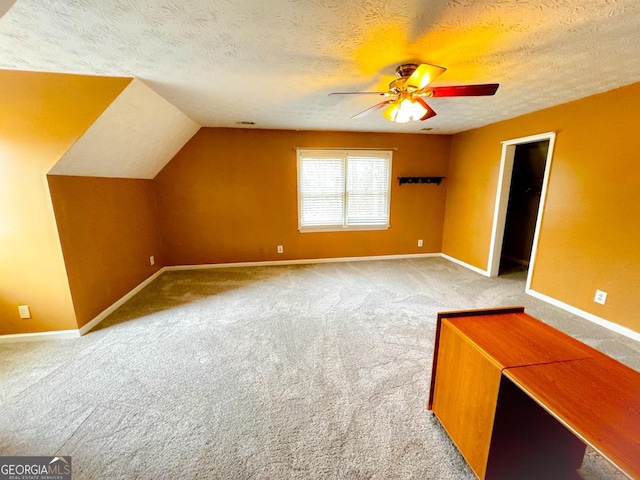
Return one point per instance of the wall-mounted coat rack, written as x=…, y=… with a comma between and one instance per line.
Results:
x=435, y=180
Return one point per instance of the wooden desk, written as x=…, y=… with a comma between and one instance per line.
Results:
x=521, y=399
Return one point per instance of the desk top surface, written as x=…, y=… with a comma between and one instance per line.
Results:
x=597, y=398
x=517, y=339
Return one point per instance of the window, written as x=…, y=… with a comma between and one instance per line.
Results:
x=343, y=189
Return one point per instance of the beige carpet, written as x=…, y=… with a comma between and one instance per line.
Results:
x=311, y=372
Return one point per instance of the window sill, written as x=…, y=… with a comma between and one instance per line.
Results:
x=358, y=228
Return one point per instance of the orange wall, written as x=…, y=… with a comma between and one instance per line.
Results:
x=108, y=230
x=42, y=115
x=230, y=195
x=591, y=224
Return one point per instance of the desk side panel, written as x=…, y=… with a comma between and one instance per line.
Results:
x=457, y=314
x=464, y=396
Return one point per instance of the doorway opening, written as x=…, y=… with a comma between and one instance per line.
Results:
x=522, y=186
x=522, y=207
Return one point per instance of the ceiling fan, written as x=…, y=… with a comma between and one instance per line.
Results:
x=407, y=93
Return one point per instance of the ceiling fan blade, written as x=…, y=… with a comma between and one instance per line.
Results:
x=463, y=90
x=366, y=112
x=430, y=112
x=429, y=115
x=424, y=75
x=357, y=93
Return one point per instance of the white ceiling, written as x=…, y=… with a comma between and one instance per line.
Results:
x=273, y=62
x=135, y=137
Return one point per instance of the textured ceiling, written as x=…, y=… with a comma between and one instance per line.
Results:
x=135, y=137
x=273, y=62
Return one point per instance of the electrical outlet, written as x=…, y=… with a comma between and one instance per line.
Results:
x=280, y=249
x=600, y=297
x=420, y=242
x=152, y=260
x=24, y=311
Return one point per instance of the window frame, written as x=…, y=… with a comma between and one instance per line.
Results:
x=344, y=154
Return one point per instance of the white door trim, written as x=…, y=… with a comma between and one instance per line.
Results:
x=502, y=200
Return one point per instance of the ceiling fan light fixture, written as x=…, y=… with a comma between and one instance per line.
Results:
x=406, y=110
x=411, y=84
x=419, y=110
x=391, y=112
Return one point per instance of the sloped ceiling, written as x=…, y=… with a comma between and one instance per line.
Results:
x=135, y=137
x=273, y=62
x=5, y=5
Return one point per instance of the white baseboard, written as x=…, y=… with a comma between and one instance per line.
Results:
x=65, y=334
x=38, y=336
x=586, y=315
x=300, y=262
x=465, y=265
x=108, y=311
x=627, y=332
x=62, y=334
x=105, y=313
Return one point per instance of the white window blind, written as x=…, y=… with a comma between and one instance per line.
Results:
x=342, y=189
x=321, y=191
x=367, y=191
